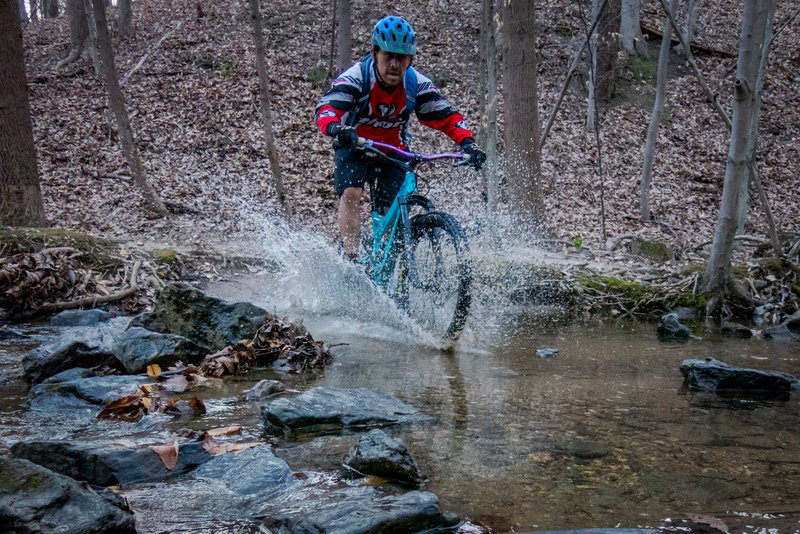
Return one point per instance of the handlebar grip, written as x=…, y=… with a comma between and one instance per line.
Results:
x=361, y=141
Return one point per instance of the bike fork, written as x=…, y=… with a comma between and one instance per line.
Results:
x=408, y=249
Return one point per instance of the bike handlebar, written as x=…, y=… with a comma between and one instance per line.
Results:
x=411, y=156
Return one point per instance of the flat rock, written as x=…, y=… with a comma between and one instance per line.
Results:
x=736, y=330
x=109, y=464
x=207, y=321
x=77, y=347
x=255, y=473
x=80, y=318
x=718, y=377
x=358, y=510
x=328, y=409
x=138, y=347
x=378, y=454
x=83, y=386
x=35, y=499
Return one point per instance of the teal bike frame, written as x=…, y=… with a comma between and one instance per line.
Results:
x=385, y=228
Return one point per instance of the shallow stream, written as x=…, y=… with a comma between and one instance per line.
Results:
x=601, y=435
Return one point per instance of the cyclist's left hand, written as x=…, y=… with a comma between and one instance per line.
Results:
x=476, y=155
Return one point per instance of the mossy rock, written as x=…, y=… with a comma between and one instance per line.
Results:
x=608, y=284
x=777, y=266
x=97, y=251
x=653, y=250
x=166, y=256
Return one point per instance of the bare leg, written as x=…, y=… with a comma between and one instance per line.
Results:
x=349, y=218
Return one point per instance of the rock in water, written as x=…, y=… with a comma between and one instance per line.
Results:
x=35, y=499
x=718, y=377
x=670, y=327
x=378, y=454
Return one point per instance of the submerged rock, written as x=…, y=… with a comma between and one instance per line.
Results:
x=35, y=499
x=718, y=377
x=83, y=386
x=670, y=328
x=207, y=321
x=378, y=454
x=359, y=510
x=80, y=318
x=77, y=347
x=108, y=464
x=547, y=353
x=254, y=472
x=335, y=409
x=736, y=330
x=138, y=347
x=780, y=332
x=265, y=389
x=10, y=333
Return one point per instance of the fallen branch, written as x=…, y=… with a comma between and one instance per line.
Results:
x=94, y=300
x=147, y=54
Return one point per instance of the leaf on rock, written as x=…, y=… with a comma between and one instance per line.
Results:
x=215, y=447
x=153, y=370
x=224, y=431
x=168, y=454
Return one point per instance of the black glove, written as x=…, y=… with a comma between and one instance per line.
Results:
x=346, y=136
x=476, y=155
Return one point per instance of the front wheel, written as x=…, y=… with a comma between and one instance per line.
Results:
x=439, y=296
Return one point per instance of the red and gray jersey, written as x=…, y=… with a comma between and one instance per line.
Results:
x=385, y=113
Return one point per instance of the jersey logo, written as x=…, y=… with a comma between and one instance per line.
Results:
x=462, y=124
x=386, y=110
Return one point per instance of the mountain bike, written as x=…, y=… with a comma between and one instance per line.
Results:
x=418, y=255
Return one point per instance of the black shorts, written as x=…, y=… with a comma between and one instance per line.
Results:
x=354, y=168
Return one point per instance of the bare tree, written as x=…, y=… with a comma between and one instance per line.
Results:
x=753, y=38
x=49, y=9
x=23, y=14
x=117, y=102
x=655, y=118
x=630, y=28
x=522, y=113
x=125, y=19
x=34, y=7
x=78, y=32
x=20, y=193
x=344, y=34
x=602, y=57
x=489, y=51
x=690, y=26
x=266, y=109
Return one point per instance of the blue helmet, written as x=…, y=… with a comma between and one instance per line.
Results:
x=394, y=34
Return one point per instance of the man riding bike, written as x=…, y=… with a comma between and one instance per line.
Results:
x=374, y=99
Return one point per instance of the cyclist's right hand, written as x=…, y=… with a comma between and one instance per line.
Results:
x=476, y=155
x=346, y=136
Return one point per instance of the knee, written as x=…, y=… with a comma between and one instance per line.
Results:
x=351, y=195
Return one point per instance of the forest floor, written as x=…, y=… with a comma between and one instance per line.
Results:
x=193, y=107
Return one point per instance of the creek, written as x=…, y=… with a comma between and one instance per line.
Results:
x=601, y=435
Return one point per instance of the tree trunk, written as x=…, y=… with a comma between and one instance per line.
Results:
x=630, y=28
x=490, y=169
x=753, y=32
x=607, y=48
x=125, y=19
x=49, y=9
x=344, y=35
x=655, y=118
x=522, y=114
x=117, y=102
x=266, y=109
x=34, y=7
x=20, y=194
x=744, y=194
x=78, y=32
x=23, y=14
x=690, y=26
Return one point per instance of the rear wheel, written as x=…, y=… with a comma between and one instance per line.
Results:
x=439, y=298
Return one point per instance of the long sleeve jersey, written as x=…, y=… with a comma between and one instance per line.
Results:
x=385, y=114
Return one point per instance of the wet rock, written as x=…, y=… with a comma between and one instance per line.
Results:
x=82, y=386
x=779, y=332
x=736, y=330
x=359, y=510
x=585, y=449
x=547, y=353
x=599, y=531
x=670, y=328
x=718, y=377
x=265, y=389
x=10, y=333
x=35, y=499
x=77, y=347
x=80, y=318
x=137, y=348
x=378, y=454
x=322, y=409
x=793, y=322
x=108, y=464
x=254, y=473
x=207, y=321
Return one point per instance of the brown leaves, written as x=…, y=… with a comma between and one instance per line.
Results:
x=279, y=339
x=168, y=454
x=216, y=447
x=148, y=400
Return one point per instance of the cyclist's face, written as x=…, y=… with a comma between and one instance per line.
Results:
x=392, y=67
